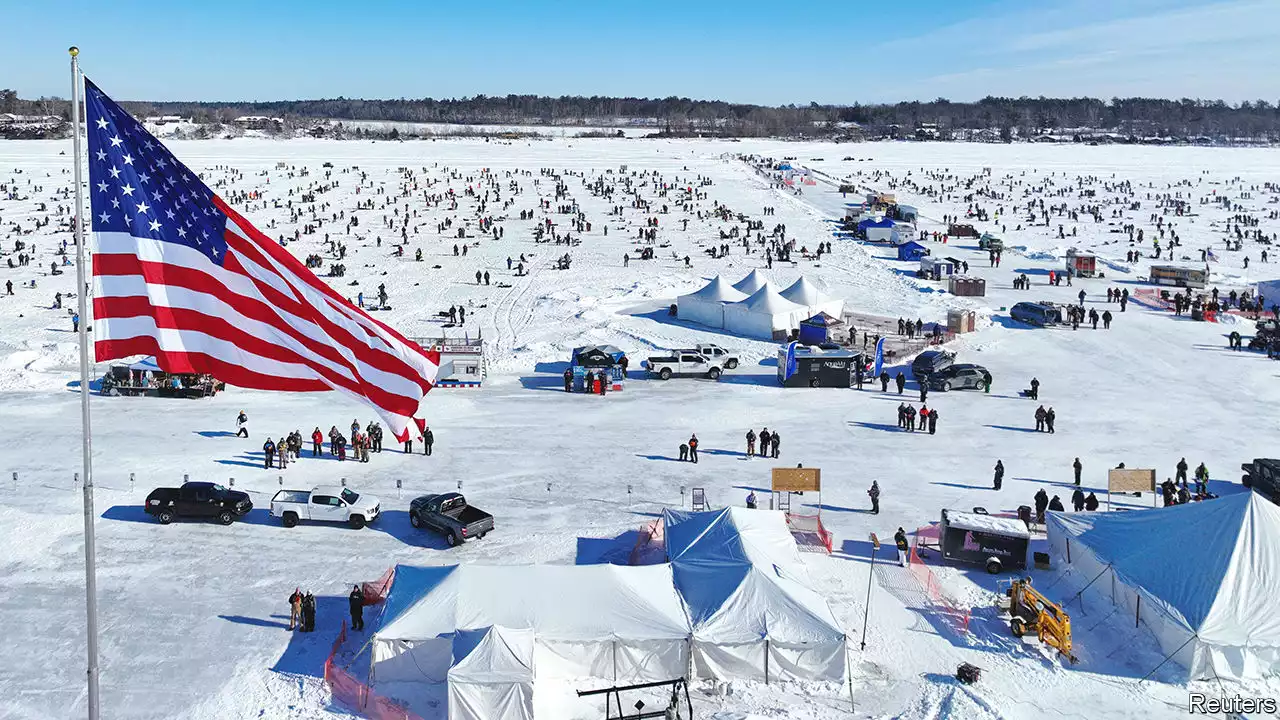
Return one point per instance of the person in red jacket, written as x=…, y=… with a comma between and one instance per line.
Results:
x=317, y=439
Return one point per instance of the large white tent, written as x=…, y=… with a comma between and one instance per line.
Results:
x=748, y=597
x=764, y=314
x=706, y=306
x=494, y=680
x=1203, y=577
x=623, y=624
x=803, y=292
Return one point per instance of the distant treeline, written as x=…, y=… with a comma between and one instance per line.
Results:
x=993, y=117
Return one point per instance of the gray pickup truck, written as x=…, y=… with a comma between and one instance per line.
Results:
x=450, y=515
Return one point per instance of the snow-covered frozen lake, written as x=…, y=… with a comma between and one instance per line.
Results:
x=193, y=614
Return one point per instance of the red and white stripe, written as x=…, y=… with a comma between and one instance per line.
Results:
x=262, y=320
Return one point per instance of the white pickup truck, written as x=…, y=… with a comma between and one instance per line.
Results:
x=325, y=504
x=684, y=363
x=721, y=356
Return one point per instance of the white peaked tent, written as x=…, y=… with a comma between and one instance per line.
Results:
x=753, y=281
x=803, y=292
x=1203, y=577
x=706, y=306
x=748, y=598
x=763, y=314
x=623, y=624
x=494, y=680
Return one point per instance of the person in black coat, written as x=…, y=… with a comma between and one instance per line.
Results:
x=998, y=480
x=775, y=442
x=901, y=381
x=1077, y=467
x=1056, y=504
x=308, y=612
x=428, y=439
x=1091, y=502
x=356, y=601
x=568, y=380
x=1042, y=503
x=1077, y=500
x=900, y=540
x=884, y=381
x=933, y=421
x=1049, y=417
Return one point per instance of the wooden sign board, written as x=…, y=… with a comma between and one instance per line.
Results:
x=797, y=479
x=1125, y=480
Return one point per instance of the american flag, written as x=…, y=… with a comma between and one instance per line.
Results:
x=180, y=275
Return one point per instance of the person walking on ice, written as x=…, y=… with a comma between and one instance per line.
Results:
x=242, y=425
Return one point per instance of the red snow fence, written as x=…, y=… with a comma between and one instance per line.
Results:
x=376, y=591
x=809, y=532
x=355, y=695
x=952, y=610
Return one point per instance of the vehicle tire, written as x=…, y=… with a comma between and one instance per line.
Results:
x=714, y=373
x=732, y=364
x=665, y=373
x=452, y=539
x=946, y=386
x=994, y=566
x=165, y=516
x=1018, y=627
x=289, y=519
x=414, y=520
x=356, y=522
x=481, y=536
x=226, y=517
x=813, y=382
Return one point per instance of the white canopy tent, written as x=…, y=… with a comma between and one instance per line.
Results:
x=494, y=680
x=803, y=292
x=1222, y=619
x=748, y=598
x=752, y=282
x=764, y=314
x=706, y=306
x=624, y=624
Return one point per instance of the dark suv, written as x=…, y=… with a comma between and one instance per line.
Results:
x=198, y=499
x=1263, y=476
x=931, y=361
x=960, y=377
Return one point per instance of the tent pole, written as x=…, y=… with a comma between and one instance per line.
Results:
x=1137, y=613
x=766, y=661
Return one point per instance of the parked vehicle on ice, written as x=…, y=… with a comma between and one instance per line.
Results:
x=325, y=504
x=1038, y=314
x=931, y=361
x=451, y=516
x=964, y=376
x=198, y=499
x=1263, y=477
x=996, y=543
x=727, y=358
x=684, y=363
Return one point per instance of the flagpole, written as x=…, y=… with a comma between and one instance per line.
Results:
x=82, y=293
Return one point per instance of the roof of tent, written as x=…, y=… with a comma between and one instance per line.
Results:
x=823, y=319
x=767, y=301
x=874, y=223
x=752, y=282
x=597, y=355
x=1233, y=544
x=148, y=363
x=562, y=602
x=716, y=291
x=803, y=292
x=911, y=245
x=742, y=578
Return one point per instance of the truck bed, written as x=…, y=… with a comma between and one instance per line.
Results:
x=468, y=515
x=301, y=497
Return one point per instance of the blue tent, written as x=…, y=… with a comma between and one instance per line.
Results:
x=912, y=250
x=873, y=223
x=817, y=329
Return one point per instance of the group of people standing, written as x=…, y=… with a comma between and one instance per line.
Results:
x=907, y=416
x=769, y=442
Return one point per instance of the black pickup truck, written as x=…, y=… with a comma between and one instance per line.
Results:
x=198, y=499
x=450, y=515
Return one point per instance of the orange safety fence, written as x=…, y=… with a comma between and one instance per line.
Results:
x=350, y=692
x=951, y=609
x=809, y=532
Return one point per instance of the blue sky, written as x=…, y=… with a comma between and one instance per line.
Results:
x=746, y=51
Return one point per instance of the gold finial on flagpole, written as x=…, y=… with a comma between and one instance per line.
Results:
x=73, y=50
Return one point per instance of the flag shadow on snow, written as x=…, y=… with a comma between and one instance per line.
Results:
x=259, y=622
x=1012, y=428
x=213, y=433
x=137, y=514
x=544, y=382
x=884, y=427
